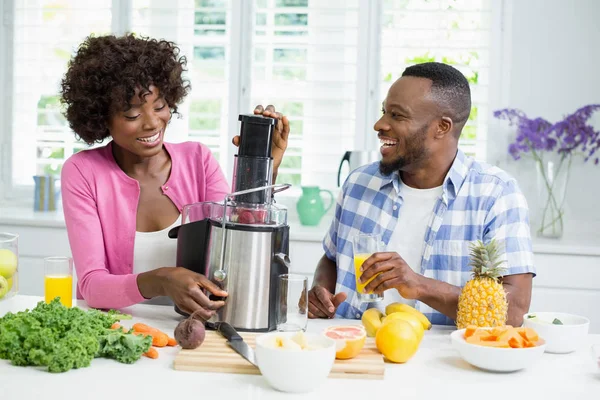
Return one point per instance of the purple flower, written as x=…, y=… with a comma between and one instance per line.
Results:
x=573, y=133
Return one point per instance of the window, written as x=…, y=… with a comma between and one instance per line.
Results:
x=202, y=31
x=455, y=32
x=304, y=60
x=326, y=64
x=45, y=33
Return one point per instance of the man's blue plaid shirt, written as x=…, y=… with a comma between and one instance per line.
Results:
x=478, y=202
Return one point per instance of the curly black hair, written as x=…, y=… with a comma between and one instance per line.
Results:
x=102, y=78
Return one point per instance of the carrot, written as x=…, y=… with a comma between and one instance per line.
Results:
x=159, y=338
x=172, y=342
x=116, y=326
x=139, y=327
x=151, y=353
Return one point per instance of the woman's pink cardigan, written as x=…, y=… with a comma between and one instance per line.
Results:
x=100, y=204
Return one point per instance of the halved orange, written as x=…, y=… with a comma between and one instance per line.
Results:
x=350, y=340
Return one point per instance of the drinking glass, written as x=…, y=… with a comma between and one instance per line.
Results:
x=9, y=264
x=58, y=279
x=364, y=246
x=292, y=303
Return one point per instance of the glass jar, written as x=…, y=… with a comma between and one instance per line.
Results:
x=9, y=265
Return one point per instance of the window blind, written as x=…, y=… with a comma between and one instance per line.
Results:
x=303, y=56
x=201, y=29
x=46, y=34
x=456, y=32
x=304, y=61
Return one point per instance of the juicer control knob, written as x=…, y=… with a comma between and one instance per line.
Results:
x=220, y=275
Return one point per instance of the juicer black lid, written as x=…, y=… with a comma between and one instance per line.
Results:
x=256, y=119
x=256, y=133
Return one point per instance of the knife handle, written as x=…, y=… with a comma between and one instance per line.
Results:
x=227, y=330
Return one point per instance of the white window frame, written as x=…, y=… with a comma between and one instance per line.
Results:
x=8, y=192
x=368, y=99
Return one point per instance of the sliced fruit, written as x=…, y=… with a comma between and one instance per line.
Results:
x=470, y=330
x=371, y=320
x=410, y=318
x=300, y=339
x=350, y=340
x=397, y=341
x=488, y=343
x=503, y=336
x=515, y=343
x=528, y=334
x=400, y=307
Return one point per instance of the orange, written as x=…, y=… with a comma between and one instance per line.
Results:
x=408, y=317
x=397, y=340
x=350, y=340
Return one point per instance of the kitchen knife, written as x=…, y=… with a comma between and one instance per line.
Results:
x=236, y=341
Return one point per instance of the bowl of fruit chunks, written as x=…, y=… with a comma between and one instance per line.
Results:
x=563, y=332
x=499, y=349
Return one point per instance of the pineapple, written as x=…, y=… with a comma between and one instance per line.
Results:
x=482, y=302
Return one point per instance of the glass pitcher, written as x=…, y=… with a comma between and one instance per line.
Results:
x=9, y=264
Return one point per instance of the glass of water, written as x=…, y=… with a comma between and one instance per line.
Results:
x=292, y=303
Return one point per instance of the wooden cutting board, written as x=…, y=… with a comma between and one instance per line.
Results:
x=216, y=356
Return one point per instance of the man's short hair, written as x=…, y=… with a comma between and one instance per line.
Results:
x=449, y=86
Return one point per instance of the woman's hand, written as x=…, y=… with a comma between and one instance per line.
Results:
x=280, y=135
x=184, y=287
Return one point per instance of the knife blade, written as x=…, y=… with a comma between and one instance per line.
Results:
x=236, y=341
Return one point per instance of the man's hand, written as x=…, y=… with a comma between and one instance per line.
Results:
x=280, y=134
x=390, y=271
x=322, y=303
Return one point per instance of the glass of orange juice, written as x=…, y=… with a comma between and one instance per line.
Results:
x=365, y=245
x=58, y=279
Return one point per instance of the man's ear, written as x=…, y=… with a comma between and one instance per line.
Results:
x=444, y=127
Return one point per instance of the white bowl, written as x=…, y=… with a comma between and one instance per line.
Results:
x=295, y=371
x=495, y=358
x=559, y=338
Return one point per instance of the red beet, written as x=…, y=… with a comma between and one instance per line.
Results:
x=246, y=217
x=190, y=332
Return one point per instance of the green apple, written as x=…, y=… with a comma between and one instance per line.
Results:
x=8, y=263
x=4, y=286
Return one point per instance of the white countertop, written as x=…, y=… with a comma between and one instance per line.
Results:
x=435, y=371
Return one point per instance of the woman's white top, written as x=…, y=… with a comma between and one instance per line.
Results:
x=153, y=250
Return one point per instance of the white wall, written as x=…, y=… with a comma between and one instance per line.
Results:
x=550, y=63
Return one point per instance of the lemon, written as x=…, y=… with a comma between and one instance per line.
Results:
x=411, y=319
x=400, y=307
x=397, y=341
x=371, y=320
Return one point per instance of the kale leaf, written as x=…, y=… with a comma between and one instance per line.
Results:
x=60, y=338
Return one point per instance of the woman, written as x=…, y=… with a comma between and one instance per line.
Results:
x=121, y=199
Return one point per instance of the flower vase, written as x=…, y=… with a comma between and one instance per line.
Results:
x=552, y=180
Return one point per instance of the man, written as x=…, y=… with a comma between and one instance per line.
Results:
x=429, y=201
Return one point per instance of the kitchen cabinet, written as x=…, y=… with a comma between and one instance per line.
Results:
x=568, y=272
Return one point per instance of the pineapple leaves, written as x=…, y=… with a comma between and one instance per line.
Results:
x=485, y=259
